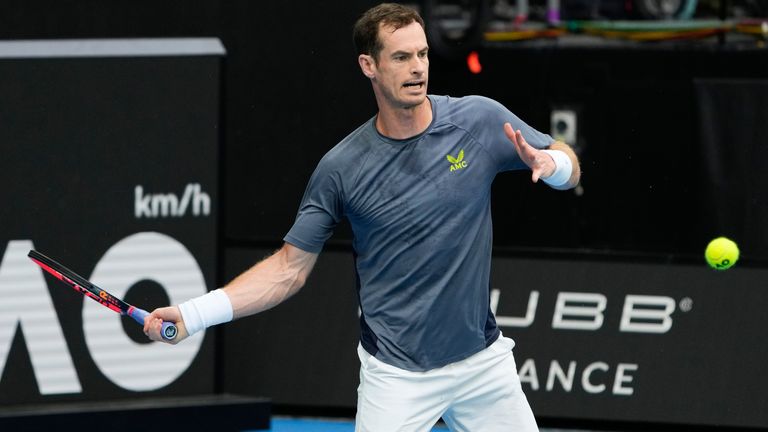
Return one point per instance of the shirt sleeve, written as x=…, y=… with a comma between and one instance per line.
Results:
x=491, y=119
x=320, y=211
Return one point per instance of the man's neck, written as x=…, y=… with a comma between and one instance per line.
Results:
x=403, y=123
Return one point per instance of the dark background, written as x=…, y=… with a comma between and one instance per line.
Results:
x=671, y=141
x=293, y=90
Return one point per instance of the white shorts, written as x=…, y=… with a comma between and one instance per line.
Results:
x=481, y=393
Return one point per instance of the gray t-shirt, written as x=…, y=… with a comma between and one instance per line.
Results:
x=420, y=213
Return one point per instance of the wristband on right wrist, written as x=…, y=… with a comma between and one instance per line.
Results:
x=207, y=310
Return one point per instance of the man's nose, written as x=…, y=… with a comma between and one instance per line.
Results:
x=418, y=65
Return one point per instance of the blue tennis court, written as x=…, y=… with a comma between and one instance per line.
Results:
x=317, y=425
x=343, y=425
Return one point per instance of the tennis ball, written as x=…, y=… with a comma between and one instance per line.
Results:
x=721, y=253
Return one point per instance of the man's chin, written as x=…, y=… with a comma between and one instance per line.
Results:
x=412, y=101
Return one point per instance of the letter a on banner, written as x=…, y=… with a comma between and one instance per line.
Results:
x=26, y=305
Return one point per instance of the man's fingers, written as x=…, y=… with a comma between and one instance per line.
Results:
x=525, y=151
x=152, y=327
x=517, y=139
x=153, y=324
x=510, y=133
x=521, y=142
x=147, y=324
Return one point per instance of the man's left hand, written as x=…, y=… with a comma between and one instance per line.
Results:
x=541, y=164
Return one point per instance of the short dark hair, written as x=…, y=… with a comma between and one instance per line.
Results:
x=366, y=31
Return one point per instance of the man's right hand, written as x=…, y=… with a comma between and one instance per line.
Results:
x=153, y=324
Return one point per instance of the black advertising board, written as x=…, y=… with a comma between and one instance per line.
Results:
x=595, y=341
x=109, y=165
x=637, y=342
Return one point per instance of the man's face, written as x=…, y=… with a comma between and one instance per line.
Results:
x=402, y=69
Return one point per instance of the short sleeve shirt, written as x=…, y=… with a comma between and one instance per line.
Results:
x=420, y=214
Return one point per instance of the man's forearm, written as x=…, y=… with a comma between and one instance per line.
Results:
x=270, y=282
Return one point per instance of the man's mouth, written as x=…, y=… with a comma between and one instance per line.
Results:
x=414, y=84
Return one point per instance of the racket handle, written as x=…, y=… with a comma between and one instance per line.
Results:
x=168, y=330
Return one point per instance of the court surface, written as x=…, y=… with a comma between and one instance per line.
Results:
x=318, y=425
x=284, y=424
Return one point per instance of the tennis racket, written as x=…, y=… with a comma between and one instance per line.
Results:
x=81, y=284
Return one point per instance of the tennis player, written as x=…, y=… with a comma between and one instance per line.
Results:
x=414, y=182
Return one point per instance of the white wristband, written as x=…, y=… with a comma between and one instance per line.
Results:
x=563, y=168
x=205, y=311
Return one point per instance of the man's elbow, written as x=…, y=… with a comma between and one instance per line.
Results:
x=298, y=264
x=299, y=278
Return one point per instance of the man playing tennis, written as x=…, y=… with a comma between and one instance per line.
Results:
x=414, y=182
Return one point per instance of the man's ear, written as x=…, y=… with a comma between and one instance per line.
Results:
x=367, y=65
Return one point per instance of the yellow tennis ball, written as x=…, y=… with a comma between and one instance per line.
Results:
x=721, y=253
